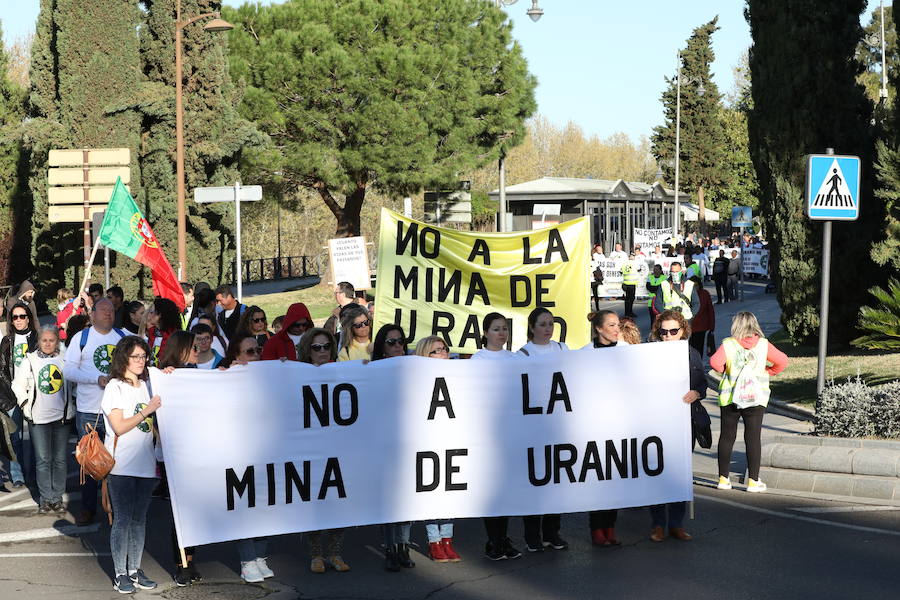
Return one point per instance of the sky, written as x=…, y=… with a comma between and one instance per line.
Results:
x=599, y=63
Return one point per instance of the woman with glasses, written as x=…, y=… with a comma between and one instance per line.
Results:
x=243, y=349
x=317, y=347
x=207, y=357
x=254, y=322
x=542, y=531
x=283, y=345
x=21, y=339
x=390, y=342
x=356, y=332
x=439, y=532
x=671, y=326
x=746, y=360
x=219, y=343
x=127, y=409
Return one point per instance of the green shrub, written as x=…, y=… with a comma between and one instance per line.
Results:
x=854, y=409
x=881, y=324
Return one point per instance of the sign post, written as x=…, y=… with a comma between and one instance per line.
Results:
x=742, y=216
x=832, y=194
x=236, y=194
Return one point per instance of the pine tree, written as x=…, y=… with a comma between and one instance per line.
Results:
x=12, y=109
x=805, y=99
x=702, y=148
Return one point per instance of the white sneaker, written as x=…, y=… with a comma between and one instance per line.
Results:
x=250, y=572
x=724, y=483
x=264, y=569
x=756, y=487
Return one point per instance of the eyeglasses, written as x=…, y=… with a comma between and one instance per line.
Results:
x=138, y=357
x=670, y=331
x=19, y=317
x=320, y=347
x=393, y=341
x=361, y=324
x=251, y=351
x=260, y=320
x=443, y=350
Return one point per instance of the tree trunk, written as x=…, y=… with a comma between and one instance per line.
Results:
x=701, y=205
x=348, y=216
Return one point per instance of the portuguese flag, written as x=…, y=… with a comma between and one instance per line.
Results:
x=126, y=231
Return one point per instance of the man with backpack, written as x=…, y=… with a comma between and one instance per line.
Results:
x=88, y=359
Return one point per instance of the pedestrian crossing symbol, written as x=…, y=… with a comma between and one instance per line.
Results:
x=832, y=187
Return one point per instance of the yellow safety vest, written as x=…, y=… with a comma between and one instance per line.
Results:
x=755, y=379
x=654, y=280
x=629, y=273
x=672, y=301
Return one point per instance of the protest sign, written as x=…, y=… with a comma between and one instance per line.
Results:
x=436, y=281
x=648, y=239
x=277, y=447
x=350, y=261
x=755, y=261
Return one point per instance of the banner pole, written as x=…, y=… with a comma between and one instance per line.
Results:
x=184, y=563
x=87, y=267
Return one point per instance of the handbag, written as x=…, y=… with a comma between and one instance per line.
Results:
x=92, y=455
x=7, y=396
x=701, y=425
x=598, y=275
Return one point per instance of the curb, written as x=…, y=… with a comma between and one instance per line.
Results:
x=798, y=411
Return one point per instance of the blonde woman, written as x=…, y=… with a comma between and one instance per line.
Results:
x=746, y=360
x=440, y=532
x=356, y=335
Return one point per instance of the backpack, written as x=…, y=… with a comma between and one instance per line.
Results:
x=82, y=342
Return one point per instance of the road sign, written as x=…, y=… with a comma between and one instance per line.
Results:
x=741, y=216
x=248, y=193
x=75, y=195
x=832, y=187
x=71, y=213
x=96, y=157
x=96, y=176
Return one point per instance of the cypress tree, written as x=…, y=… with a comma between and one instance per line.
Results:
x=12, y=110
x=806, y=98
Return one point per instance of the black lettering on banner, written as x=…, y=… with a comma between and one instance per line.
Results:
x=527, y=409
x=418, y=240
x=532, y=477
x=560, y=464
x=621, y=460
x=480, y=248
x=558, y=393
x=477, y=288
x=435, y=242
x=526, y=253
x=411, y=330
x=410, y=238
x=247, y=483
x=659, y=455
x=555, y=244
x=319, y=406
x=514, y=281
x=421, y=457
x=591, y=462
x=429, y=280
x=445, y=287
x=471, y=331
x=634, y=458
x=440, y=390
x=540, y=290
x=407, y=281
x=270, y=480
x=336, y=404
x=293, y=481
x=450, y=469
x=563, y=328
x=442, y=330
x=332, y=479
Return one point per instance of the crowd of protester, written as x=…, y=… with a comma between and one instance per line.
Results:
x=90, y=371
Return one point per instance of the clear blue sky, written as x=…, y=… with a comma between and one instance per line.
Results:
x=599, y=63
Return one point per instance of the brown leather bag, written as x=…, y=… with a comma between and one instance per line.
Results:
x=92, y=455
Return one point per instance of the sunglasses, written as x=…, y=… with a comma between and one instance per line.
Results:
x=670, y=331
x=251, y=351
x=393, y=341
x=298, y=323
x=19, y=317
x=320, y=347
x=260, y=320
x=361, y=324
x=439, y=351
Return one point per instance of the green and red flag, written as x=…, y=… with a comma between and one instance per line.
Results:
x=126, y=231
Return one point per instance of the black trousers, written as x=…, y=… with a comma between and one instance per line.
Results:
x=602, y=519
x=540, y=527
x=595, y=286
x=696, y=341
x=721, y=288
x=496, y=528
x=753, y=418
x=629, y=298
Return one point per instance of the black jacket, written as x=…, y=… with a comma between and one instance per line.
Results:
x=7, y=365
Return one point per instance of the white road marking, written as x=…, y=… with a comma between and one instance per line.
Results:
x=54, y=554
x=842, y=509
x=784, y=515
x=30, y=503
x=374, y=551
x=48, y=532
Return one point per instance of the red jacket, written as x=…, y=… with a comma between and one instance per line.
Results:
x=63, y=315
x=281, y=345
x=705, y=319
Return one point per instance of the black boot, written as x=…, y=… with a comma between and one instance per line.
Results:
x=403, y=557
x=390, y=558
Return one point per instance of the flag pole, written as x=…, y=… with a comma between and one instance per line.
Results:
x=87, y=268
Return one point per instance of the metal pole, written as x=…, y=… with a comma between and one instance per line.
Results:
x=741, y=272
x=823, y=303
x=237, y=237
x=677, y=148
x=883, y=93
x=106, y=268
x=85, y=186
x=179, y=150
x=501, y=226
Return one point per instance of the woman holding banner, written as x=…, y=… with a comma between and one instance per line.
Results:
x=493, y=346
x=440, y=532
x=317, y=347
x=356, y=327
x=542, y=531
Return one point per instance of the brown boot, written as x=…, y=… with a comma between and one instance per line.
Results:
x=657, y=534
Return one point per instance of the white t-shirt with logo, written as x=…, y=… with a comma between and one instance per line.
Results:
x=485, y=354
x=20, y=349
x=134, y=451
x=85, y=366
x=532, y=349
x=49, y=389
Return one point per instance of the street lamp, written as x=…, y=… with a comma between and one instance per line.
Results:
x=216, y=24
x=535, y=13
x=876, y=40
x=701, y=91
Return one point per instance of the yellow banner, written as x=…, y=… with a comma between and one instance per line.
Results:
x=436, y=281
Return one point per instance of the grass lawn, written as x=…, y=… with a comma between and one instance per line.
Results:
x=797, y=383
x=319, y=299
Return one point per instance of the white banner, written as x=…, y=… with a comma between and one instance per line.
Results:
x=350, y=262
x=280, y=447
x=648, y=239
x=755, y=261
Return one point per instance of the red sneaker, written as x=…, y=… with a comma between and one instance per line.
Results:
x=437, y=552
x=610, y=533
x=449, y=551
x=598, y=537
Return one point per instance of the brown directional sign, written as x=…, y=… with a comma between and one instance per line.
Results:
x=75, y=195
x=95, y=175
x=71, y=213
x=96, y=157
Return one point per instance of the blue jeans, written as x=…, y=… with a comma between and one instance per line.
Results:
x=15, y=466
x=50, y=441
x=251, y=549
x=89, y=489
x=676, y=512
x=396, y=533
x=437, y=530
x=130, y=498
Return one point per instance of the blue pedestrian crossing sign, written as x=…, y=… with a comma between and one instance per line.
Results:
x=832, y=187
x=741, y=216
